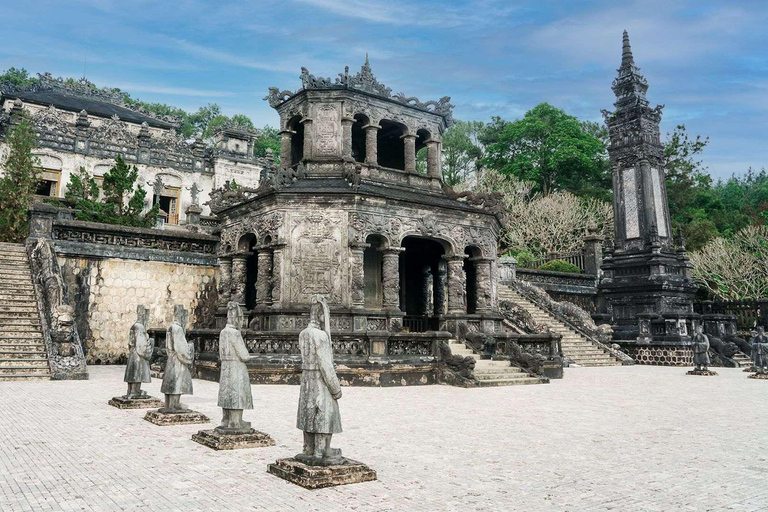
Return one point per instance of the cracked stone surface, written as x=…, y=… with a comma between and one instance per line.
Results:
x=616, y=438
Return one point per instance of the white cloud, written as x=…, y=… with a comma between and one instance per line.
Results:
x=177, y=91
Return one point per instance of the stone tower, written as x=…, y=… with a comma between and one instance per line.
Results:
x=646, y=286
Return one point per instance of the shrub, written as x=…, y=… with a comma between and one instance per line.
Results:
x=560, y=266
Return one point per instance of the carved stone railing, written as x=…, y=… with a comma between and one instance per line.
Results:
x=574, y=317
x=747, y=312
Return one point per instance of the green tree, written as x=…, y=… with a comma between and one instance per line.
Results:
x=21, y=174
x=269, y=137
x=18, y=77
x=461, y=151
x=550, y=149
x=82, y=186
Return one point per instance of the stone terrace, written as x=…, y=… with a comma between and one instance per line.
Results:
x=623, y=438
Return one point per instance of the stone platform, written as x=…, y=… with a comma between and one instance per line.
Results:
x=318, y=477
x=708, y=373
x=147, y=402
x=759, y=376
x=219, y=440
x=165, y=419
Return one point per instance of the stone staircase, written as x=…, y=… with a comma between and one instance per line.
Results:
x=22, y=348
x=494, y=373
x=743, y=360
x=575, y=346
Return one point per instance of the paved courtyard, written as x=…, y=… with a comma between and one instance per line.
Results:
x=633, y=438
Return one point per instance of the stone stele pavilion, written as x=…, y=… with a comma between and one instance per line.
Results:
x=347, y=215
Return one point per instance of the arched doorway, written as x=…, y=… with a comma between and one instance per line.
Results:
x=358, y=137
x=422, y=283
x=297, y=139
x=247, y=245
x=470, y=270
x=391, y=148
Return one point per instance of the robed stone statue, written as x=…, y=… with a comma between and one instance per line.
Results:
x=318, y=414
x=234, y=384
x=140, y=348
x=177, y=379
x=700, y=347
x=760, y=351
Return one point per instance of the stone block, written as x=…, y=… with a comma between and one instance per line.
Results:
x=147, y=402
x=164, y=419
x=219, y=440
x=318, y=477
x=759, y=376
x=708, y=373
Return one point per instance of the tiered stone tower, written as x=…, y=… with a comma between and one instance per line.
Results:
x=646, y=286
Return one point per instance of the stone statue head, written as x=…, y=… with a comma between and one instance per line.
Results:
x=180, y=315
x=699, y=329
x=142, y=315
x=234, y=315
x=319, y=313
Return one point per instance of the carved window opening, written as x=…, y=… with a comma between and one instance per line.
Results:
x=297, y=140
x=422, y=152
x=169, y=202
x=470, y=269
x=373, y=262
x=248, y=244
x=358, y=137
x=422, y=278
x=49, y=184
x=390, y=145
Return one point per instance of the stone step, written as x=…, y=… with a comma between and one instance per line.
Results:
x=19, y=348
x=11, y=283
x=18, y=313
x=16, y=298
x=25, y=370
x=23, y=354
x=488, y=363
x=510, y=382
x=14, y=259
x=21, y=290
x=7, y=321
x=501, y=376
x=30, y=362
x=14, y=337
x=25, y=376
x=11, y=246
x=6, y=330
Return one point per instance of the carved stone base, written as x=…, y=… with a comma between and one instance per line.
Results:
x=750, y=369
x=166, y=418
x=317, y=477
x=219, y=440
x=701, y=372
x=759, y=376
x=145, y=402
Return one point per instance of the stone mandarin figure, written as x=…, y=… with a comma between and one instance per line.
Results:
x=318, y=414
x=760, y=351
x=140, y=348
x=234, y=384
x=700, y=345
x=177, y=379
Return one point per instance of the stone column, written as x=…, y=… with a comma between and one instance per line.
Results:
x=483, y=284
x=433, y=159
x=276, y=280
x=593, y=254
x=426, y=279
x=357, y=273
x=439, y=283
x=346, y=135
x=371, y=154
x=409, y=141
x=225, y=280
x=263, y=277
x=285, y=148
x=307, y=122
x=391, y=278
x=457, y=285
x=239, y=274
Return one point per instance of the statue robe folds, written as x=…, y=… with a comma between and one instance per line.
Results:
x=760, y=354
x=234, y=384
x=701, y=350
x=177, y=379
x=318, y=409
x=140, y=349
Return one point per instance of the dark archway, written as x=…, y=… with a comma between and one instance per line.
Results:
x=297, y=139
x=422, y=284
x=390, y=145
x=372, y=268
x=358, y=137
x=470, y=270
x=422, y=152
x=246, y=244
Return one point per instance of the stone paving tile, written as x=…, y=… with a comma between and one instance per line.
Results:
x=617, y=438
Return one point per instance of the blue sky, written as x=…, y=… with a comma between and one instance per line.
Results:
x=706, y=60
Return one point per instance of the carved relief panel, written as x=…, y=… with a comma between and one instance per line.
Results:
x=327, y=131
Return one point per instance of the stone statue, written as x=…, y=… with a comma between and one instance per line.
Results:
x=234, y=384
x=318, y=414
x=760, y=351
x=177, y=379
x=140, y=348
x=700, y=347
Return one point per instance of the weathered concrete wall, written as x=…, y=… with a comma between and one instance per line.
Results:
x=105, y=293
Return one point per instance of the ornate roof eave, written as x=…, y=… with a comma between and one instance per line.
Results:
x=363, y=82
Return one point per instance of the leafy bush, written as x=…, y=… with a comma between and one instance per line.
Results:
x=560, y=266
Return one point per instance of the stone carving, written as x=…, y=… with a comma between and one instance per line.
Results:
x=115, y=131
x=760, y=354
x=276, y=96
x=127, y=237
x=316, y=259
x=700, y=346
x=318, y=414
x=630, y=204
x=51, y=119
x=464, y=367
x=659, y=201
x=327, y=131
x=520, y=318
x=227, y=196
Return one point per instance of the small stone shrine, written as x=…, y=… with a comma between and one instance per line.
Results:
x=646, y=288
x=760, y=354
x=234, y=392
x=140, y=348
x=700, y=345
x=319, y=465
x=177, y=379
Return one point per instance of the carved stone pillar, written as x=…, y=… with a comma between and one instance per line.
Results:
x=224, y=286
x=239, y=271
x=263, y=277
x=409, y=141
x=285, y=148
x=434, y=169
x=391, y=278
x=439, y=283
x=357, y=273
x=426, y=288
x=457, y=285
x=346, y=134
x=307, y=122
x=276, y=278
x=483, y=284
x=371, y=152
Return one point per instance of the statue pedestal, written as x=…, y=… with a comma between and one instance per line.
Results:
x=759, y=376
x=165, y=418
x=317, y=477
x=220, y=439
x=750, y=369
x=701, y=372
x=144, y=402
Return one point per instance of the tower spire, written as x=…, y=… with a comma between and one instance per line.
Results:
x=627, y=60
